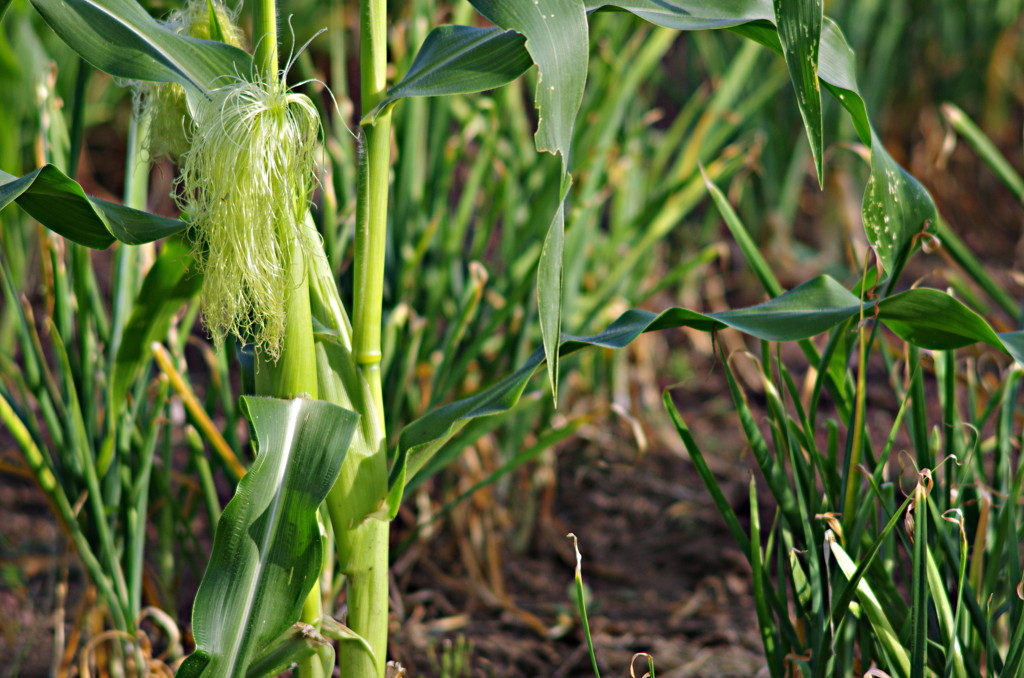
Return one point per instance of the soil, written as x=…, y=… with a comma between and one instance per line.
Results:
x=493, y=582
x=662, y=576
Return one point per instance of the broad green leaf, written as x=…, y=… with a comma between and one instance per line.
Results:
x=928, y=318
x=4, y=4
x=799, y=26
x=171, y=282
x=935, y=320
x=693, y=15
x=896, y=206
x=1013, y=342
x=120, y=38
x=267, y=550
x=460, y=60
x=59, y=203
x=557, y=39
x=814, y=307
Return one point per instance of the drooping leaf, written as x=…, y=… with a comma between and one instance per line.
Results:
x=460, y=60
x=799, y=26
x=549, y=288
x=935, y=320
x=120, y=38
x=557, y=39
x=928, y=318
x=896, y=206
x=267, y=550
x=171, y=282
x=814, y=307
x=59, y=203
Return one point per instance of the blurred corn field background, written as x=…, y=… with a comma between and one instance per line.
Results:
x=481, y=580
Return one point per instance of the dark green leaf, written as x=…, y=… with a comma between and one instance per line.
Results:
x=120, y=38
x=926, y=317
x=896, y=207
x=171, y=282
x=267, y=551
x=814, y=307
x=59, y=203
x=459, y=60
x=934, y=320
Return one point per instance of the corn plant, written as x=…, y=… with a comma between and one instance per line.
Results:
x=318, y=499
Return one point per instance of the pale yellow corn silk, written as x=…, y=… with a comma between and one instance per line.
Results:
x=246, y=183
x=170, y=122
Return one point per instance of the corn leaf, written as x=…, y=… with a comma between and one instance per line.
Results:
x=267, y=550
x=799, y=26
x=460, y=60
x=557, y=39
x=896, y=207
x=171, y=282
x=56, y=201
x=120, y=38
x=925, y=317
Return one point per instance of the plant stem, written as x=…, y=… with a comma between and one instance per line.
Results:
x=363, y=549
x=264, y=33
x=293, y=374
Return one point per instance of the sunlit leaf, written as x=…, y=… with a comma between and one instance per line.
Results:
x=557, y=39
x=267, y=551
x=120, y=38
x=459, y=60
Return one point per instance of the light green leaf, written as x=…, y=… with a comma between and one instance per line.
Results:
x=171, y=282
x=120, y=38
x=692, y=15
x=459, y=60
x=799, y=26
x=887, y=637
x=549, y=288
x=59, y=203
x=267, y=550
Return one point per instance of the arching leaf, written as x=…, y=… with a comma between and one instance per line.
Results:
x=56, y=201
